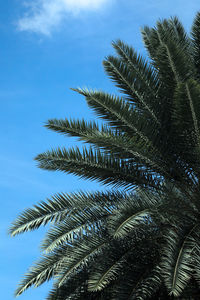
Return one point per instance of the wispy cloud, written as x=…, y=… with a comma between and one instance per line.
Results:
x=42, y=16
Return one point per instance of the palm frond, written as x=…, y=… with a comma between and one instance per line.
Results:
x=107, y=271
x=195, y=33
x=95, y=165
x=143, y=71
x=43, y=270
x=150, y=40
x=170, y=48
x=62, y=206
x=53, y=211
x=117, y=112
x=75, y=287
x=178, y=32
x=81, y=255
x=112, y=142
x=186, y=117
x=126, y=81
x=146, y=80
x=132, y=212
x=195, y=260
x=141, y=286
x=177, y=260
x=83, y=223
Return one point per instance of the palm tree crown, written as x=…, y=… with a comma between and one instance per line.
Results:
x=140, y=239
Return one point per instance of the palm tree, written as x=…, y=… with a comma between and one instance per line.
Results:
x=140, y=239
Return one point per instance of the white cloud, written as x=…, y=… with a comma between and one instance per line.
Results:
x=44, y=15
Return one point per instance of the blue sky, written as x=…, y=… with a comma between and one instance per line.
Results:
x=48, y=46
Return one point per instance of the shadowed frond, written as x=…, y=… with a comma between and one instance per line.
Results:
x=81, y=255
x=75, y=287
x=107, y=271
x=187, y=112
x=135, y=211
x=112, y=142
x=143, y=285
x=177, y=259
x=195, y=33
x=169, y=48
x=53, y=210
x=147, y=77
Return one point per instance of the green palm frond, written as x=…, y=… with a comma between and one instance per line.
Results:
x=177, y=259
x=62, y=206
x=128, y=84
x=135, y=211
x=78, y=128
x=85, y=222
x=178, y=32
x=150, y=40
x=196, y=253
x=43, y=270
x=107, y=271
x=195, y=33
x=117, y=112
x=75, y=287
x=111, y=141
x=82, y=254
x=187, y=111
x=145, y=74
x=94, y=165
x=146, y=81
x=168, y=45
x=143, y=285
x=53, y=210
x=123, y=256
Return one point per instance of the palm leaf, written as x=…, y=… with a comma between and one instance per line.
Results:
x=82, y=253
x=107, y=271
x=113, y=142
x=125, y=80
x=143, y=285
x=91, y=164
x=146, y=81
x=177, y=260
x=131, y=213
x=75, y=287
x=85, y=222
x=62, y=206
x=117, y=112
x=43, y=270
x=195, y=33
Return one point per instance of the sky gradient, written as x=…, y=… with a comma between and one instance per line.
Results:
x=46, y=48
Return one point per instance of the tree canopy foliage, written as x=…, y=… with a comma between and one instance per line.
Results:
x=140, y=239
